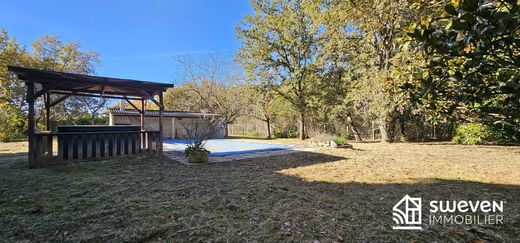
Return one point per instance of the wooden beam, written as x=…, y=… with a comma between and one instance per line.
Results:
x=46, y=89
x=94, y=95
x=161, y=110
x=113, y=82
x=143, y=107
x=59, y=100
x=132, y=104
x=48, y=111
x=52, y=77
x=48, y=147
x=143, y=137
x=103, y=90
x=145, y=94
x=157, y=102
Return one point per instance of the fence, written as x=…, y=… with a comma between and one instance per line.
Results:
x=248, y=127
x=87, y=145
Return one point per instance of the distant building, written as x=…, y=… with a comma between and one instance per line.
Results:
x=174, y=122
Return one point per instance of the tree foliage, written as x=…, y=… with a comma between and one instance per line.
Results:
x=48, y=53
x=210, y=84
x=333, y=60
x=12, y=95
x=473, y=62
x=282, y=38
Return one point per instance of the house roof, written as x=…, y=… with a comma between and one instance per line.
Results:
x=182, y=114
x=85, y=85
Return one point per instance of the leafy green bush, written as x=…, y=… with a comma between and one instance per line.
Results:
x=505, y=133
x=341, y=140
x=13, y=125
x=254, y=134
x=472, y=133
x=277, y=133
x=197, y=146
x=86, y=119
x=293, y=134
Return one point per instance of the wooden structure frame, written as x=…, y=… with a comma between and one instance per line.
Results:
x=83, y=145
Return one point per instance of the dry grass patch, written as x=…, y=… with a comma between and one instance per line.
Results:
x=415, y=163
x=329, y=195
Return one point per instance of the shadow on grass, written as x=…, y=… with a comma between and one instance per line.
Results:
x=363, y=211
x=145, y=200
x=7, y=155
x=16, y=160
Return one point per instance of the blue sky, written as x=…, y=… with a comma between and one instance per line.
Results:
x=135, y=39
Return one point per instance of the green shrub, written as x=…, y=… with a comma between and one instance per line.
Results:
x=12, y=125
x=86, y=119
x=255, y=134
x=472, y=133
x=293, y=134
x=341, y=140
x=277, y=133
x=505, y=133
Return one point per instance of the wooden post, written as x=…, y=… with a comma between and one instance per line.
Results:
x=143, y=111
x=48, y=111
x=31, y=125
x=48, y=124
x=161, y=110
x=173, y=127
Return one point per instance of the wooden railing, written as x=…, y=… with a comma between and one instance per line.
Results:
x=88, y=145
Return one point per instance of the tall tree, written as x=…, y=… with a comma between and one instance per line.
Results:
x=180, y=98
x=379, y=24
x=50, y=53
x=212, y=82
x=261, y=101
x=12, y=91
x=283, y=37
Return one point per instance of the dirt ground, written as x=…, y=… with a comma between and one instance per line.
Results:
x=328, y=195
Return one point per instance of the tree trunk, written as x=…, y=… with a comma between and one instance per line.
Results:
x=302, y=126
x=402, y=126
x=354, y=129
x=268, y=121
x=355, y=132
x=384, y=132
x=226, y=127
x=373, y=131
x=225, y=130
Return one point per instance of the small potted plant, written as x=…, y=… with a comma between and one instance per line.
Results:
x=196, y=153
x=198, y=131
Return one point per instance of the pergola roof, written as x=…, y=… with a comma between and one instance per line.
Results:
x=44, y=83
x=87, y=85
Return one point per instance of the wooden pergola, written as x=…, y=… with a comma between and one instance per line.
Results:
x=88, y=142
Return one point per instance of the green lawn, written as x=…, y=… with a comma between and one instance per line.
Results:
x=326, y=195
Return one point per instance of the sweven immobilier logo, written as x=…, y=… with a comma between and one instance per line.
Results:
x=407, y=212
